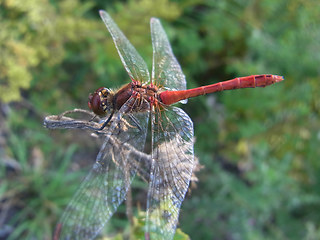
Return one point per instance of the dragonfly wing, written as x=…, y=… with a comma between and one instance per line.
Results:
x=166, y=71
x=106, y=186
x=171, y=170
x=131, y=59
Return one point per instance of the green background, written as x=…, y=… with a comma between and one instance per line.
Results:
x=259, y=147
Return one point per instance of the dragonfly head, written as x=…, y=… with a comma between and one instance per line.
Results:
x=100, y=102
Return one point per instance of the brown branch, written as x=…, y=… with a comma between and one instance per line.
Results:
x=139, y=161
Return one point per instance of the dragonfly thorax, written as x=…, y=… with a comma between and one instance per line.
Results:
x=101, y=101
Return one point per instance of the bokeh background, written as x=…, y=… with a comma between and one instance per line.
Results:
x=259, y=147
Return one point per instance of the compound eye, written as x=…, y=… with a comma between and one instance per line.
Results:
x=94, y=104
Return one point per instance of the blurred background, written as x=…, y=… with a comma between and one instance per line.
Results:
x=259, y=147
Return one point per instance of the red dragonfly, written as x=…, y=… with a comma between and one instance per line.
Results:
x=126, y=113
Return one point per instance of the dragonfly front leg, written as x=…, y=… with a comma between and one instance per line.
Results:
x=104, y=124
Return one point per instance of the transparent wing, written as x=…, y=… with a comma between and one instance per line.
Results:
x=131, y=60
x=171, y=170
x=166, y=71
x=106, y=186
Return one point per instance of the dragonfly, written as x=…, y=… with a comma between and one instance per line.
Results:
x=126, y=113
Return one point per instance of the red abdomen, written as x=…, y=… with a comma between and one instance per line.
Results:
x=170, y=97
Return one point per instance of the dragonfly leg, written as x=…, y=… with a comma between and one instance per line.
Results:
x=91, y=119
x=135, y=121
x=104, y=124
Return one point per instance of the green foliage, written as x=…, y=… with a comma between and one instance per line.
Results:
x=31, y=35
x=33, y=188
x=259, y=147
x=137, y=230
